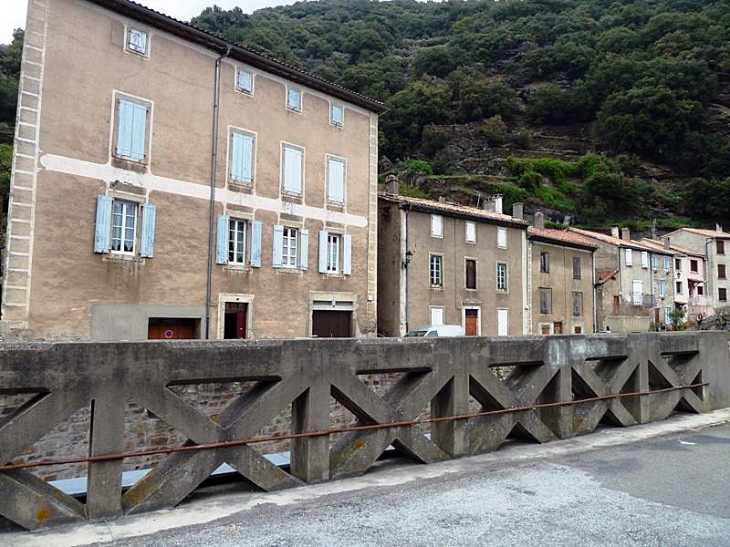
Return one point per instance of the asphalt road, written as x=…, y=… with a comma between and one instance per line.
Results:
x=667, y=491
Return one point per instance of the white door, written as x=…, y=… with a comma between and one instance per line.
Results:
x=437, y=316
x=502, y=324
x=638, y=292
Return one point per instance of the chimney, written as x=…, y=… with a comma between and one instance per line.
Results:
x=442, y=199
x=667, y=242
x=488, y=205
x=718, y=228
x=625, y=234
x=518, y=211
x=539, y=220
x=497, y=203
x=391, y=185
x=614, y=231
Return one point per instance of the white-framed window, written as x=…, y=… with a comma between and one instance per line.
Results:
x=644, y=259
x=501, y=237
x=667, y=263
x=545, y=262
x=629, y=257
x=124, y=227
x=131, y=130
x=294, y=99
x=137, y=41
x=336, y=179
x=289, y=256
x=333, y=252
x=437, y=315
x=654, y=262
x=436, y=270
x=437, y=226
x=244, y=81
x=678, y=288
x=241, y=157
x=667, y=316
x=470, y=274
x=237, y=230
x=501, y=276
x=637, y=292
x=337, y=115
x=662, y=288
x=471, y=232
x=292, y=170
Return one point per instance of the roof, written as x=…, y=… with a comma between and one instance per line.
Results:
x=246, y=55
x=658, y=246
x=603, y=275
x=714, y=234
x=561, y=237
x=453, y=210
x=616, y=241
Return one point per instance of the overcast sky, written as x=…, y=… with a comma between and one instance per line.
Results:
x=12, y=12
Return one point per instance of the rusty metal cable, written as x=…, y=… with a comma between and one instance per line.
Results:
x=327, y=432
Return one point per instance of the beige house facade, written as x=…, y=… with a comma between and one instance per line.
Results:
x=168, y=184
x=441, y=263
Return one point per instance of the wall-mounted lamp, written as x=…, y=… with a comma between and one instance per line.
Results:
x=409, y=257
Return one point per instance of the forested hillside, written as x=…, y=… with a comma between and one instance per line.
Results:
x=508, y=96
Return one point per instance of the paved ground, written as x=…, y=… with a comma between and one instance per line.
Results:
x=668, y=490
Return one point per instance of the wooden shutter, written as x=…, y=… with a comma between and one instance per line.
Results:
x=147, y=244
x=139, y=132
x=103, y=233
x=336, y=181
x=347, y=254
x=125, y=129
x=221, y=252
x=278, y=246
x=303, y=249
x=322, y=251
x=256, y=231
x=292, y=170
x=242, y=158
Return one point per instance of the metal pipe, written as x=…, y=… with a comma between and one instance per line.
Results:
x=326, y=432
x=213, y=176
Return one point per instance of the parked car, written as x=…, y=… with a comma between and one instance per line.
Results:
x=436, y=330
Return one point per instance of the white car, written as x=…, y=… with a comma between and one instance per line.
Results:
x=436, y=330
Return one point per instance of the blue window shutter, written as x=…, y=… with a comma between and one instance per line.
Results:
x=322, y=251
x=103, y=233
x=221, y=252
x=247, y=159
x=139, y=132
x=124, y=131
x=278, y=245
x=236, y=158
x=149, y=215
x=256, y=230
x=303, y=249
x=347, y=254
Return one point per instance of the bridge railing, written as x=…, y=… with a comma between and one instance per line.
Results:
x=479, y=392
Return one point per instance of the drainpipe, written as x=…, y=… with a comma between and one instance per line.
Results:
x=407, y=249
x=213, y=176
x=593, y=292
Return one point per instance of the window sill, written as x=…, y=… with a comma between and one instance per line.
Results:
x=243, y=187
x=129, y=164
x=294, y=110
x=292, y=198
x=287, y=270
x=437, y=287
x=242, y=268
x=335, y=206
x=118, y=257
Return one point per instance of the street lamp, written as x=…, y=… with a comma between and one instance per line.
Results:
x=409, y=257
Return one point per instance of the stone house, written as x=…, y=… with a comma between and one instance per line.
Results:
x=561, y=281
x=714, y=246
x=634, y=282
x=169, y=184
x=442, y=263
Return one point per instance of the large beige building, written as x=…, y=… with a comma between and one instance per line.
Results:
x=169, y=184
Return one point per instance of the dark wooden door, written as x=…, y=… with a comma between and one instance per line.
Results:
x=234, y=325
x=331, y=324
x=471, y=318
x=557, y=328
x=171, y=329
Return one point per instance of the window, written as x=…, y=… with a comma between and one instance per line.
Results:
x=335, y=252
x=546, y=301
x=337, y=115
x=721, y=271
x=629, y=257
x=294, y=99
x=289, y=248
x=244, y=81
x=722, y=294
x=693, y=266
x=137, y=41
x=700, y=290
x=677, y=264
x=437, y=316
x=237, y=241
x=292, y=169
x=241, y=158
x=437, y=226
x=502, y=238
x=678, y=287
x=336, y=169
x=436, y=271
x=471, y=274
x=576, y=267
x=667, y=316
x=645, y=259
x=662, y=288
x=545, y=262
x=720, y=244
x=501, y=276
x=637, y=289
x=667, y=263
x=117, y=223
x=577, y=329
x=577, y=304
x=471, y=232
x=654, y=262
x=131, y=130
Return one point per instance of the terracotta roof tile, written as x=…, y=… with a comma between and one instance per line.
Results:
x=707, y=233
x=618, y=242
x=561, y=236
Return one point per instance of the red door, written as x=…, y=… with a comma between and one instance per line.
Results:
x=234, y=325
x=471, y=318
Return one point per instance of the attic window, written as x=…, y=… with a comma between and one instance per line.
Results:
x=244, y=82
x=137, y=41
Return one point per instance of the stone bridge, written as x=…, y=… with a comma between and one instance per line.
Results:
x=436, y=399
